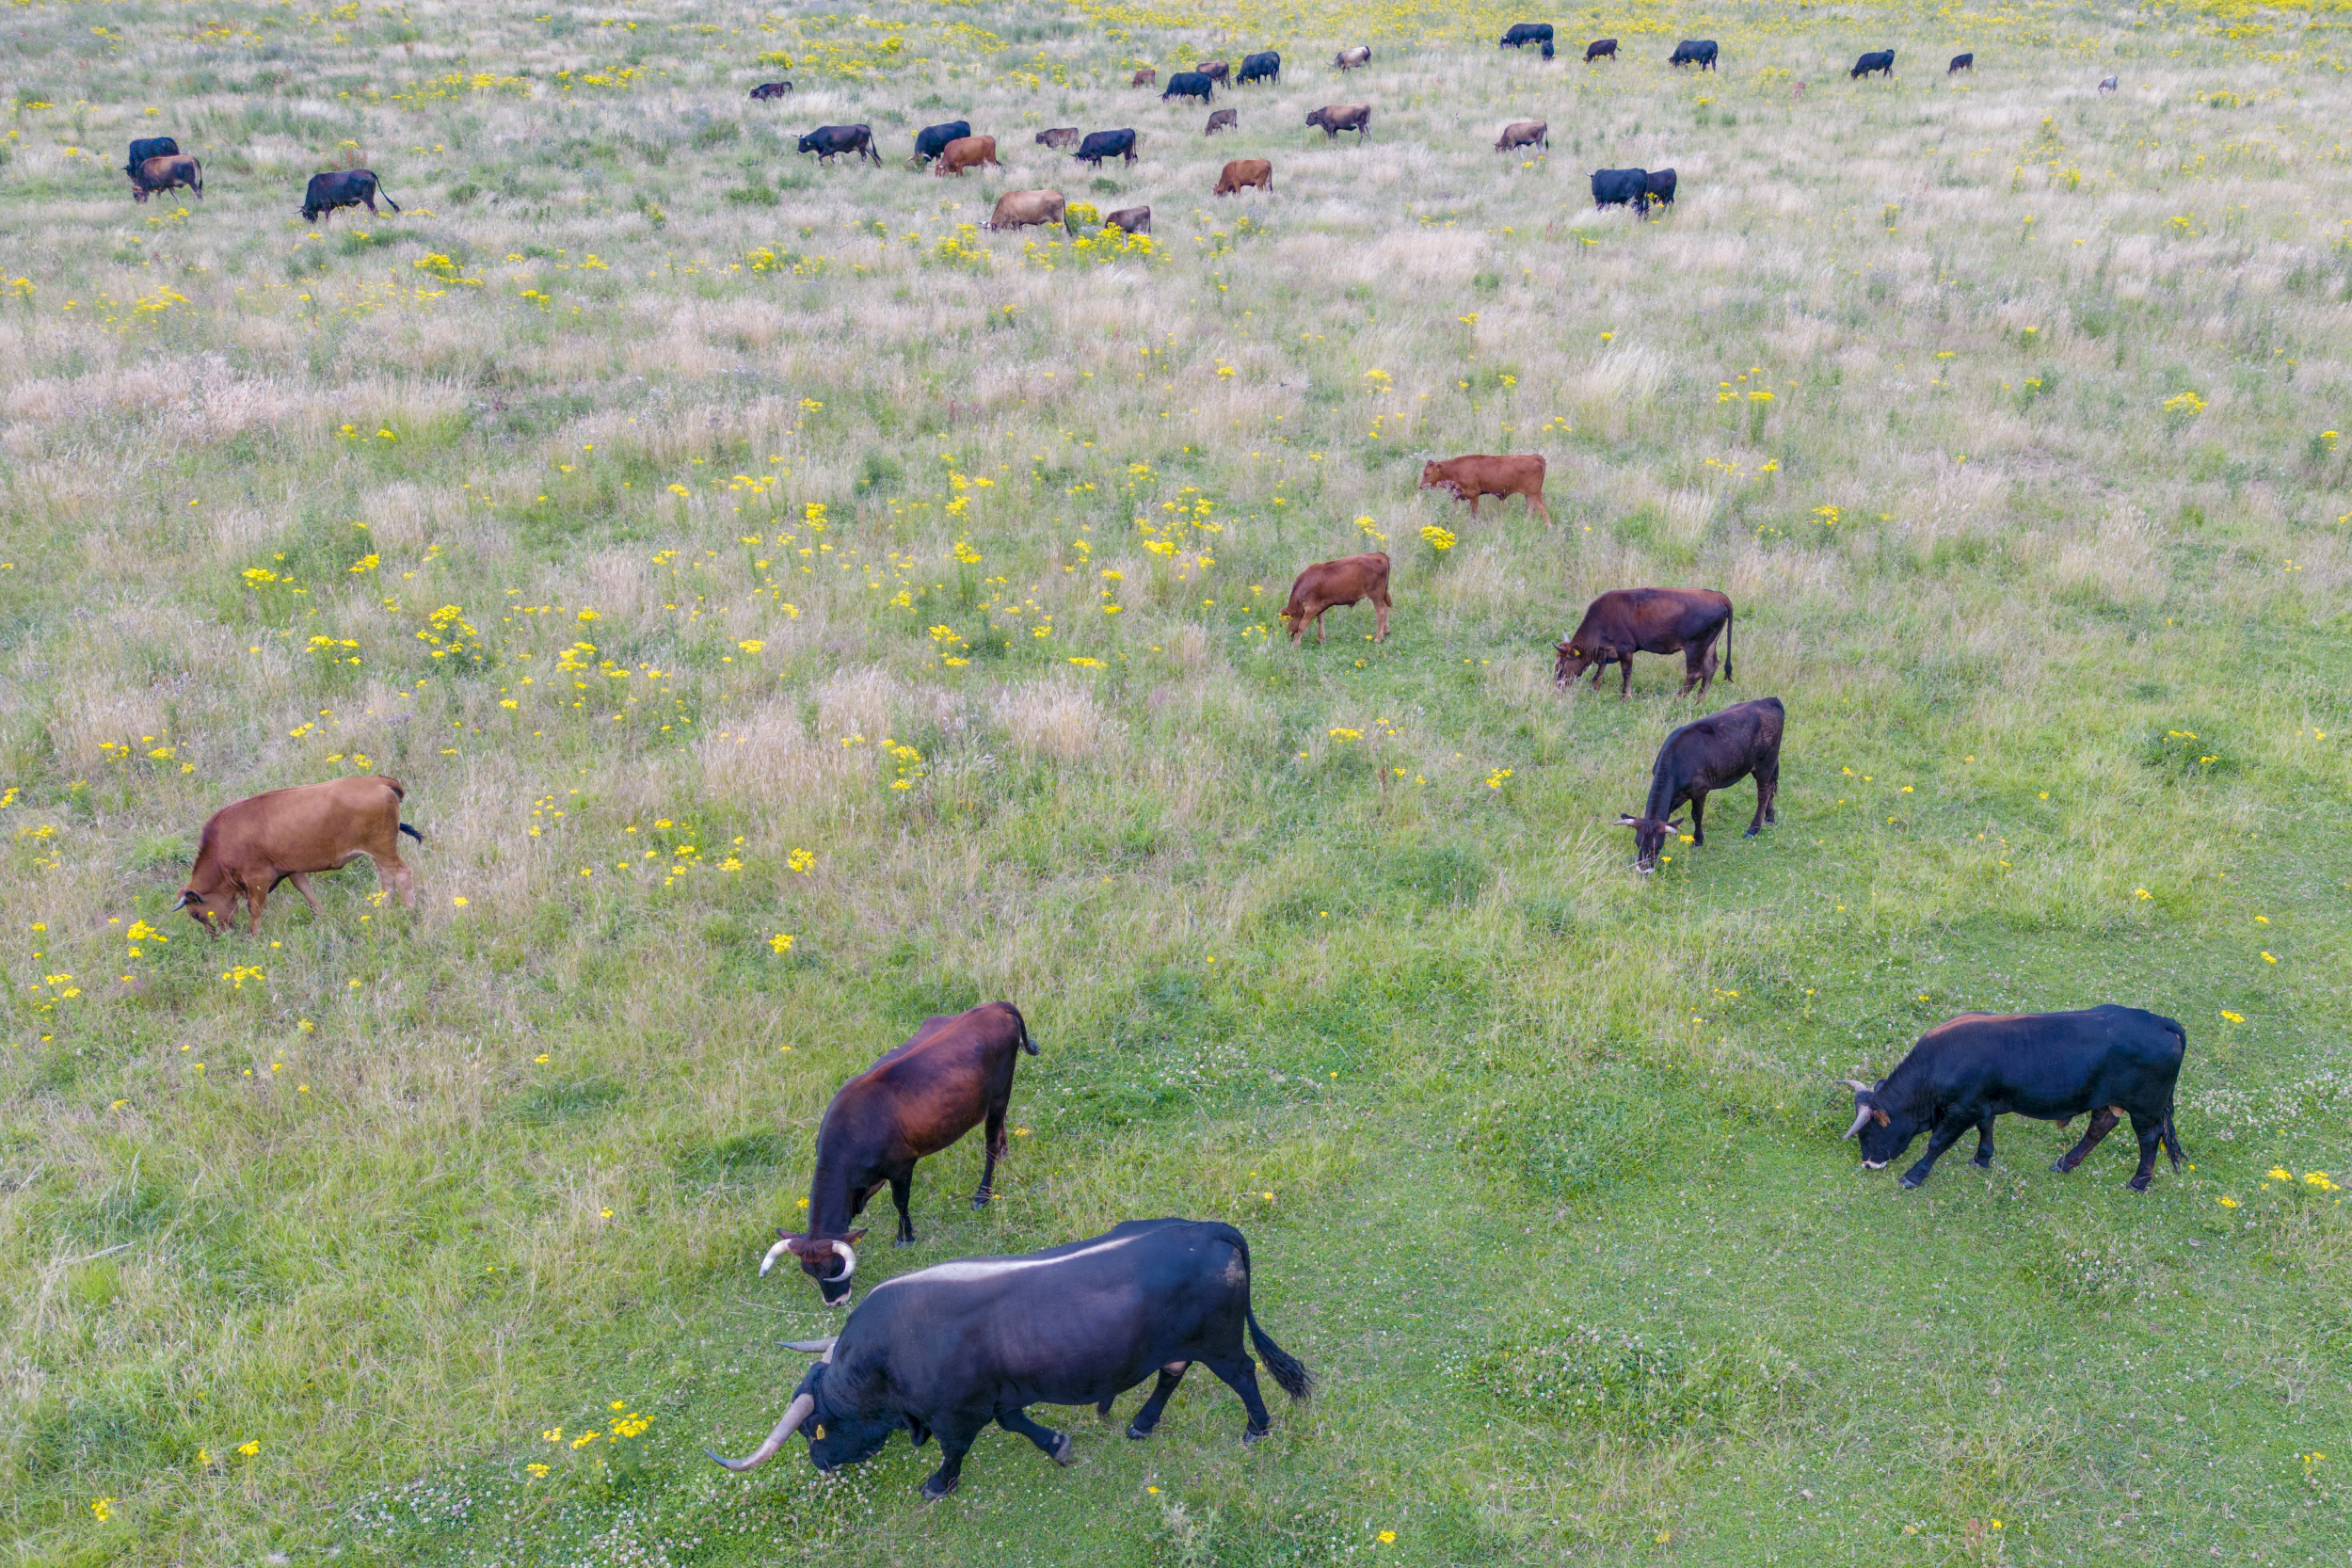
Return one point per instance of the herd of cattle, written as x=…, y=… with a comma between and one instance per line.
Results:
x=948, y=1349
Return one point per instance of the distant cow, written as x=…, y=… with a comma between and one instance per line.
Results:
x=966, y=153
x=1547, y=49
x=166, y=173
x=2112, y=1062
x=2107, y=84
x=1698, y=52
x=954, y=1347
x=830, y=141
x=932, y=139
x=1618, y=187
x=1189, y=84
x=1660, y=186
x=1143, y=77
x=1026, y=209
x=1963, y=62
x=1329, y=584
x=1059, y=136
x=350, y=187
x=1524, y=133
x=1349, y=59
x=915, y=1100
x=1600, y=49
x=1335, y=118
x=1244, y=172
x=1222, y=119
x=772, y=89
x=1468, y=478
x=1712, y=753
x=1265, y=66
x=248, y=848
x=1218, y=71
x=1625, y=621
x=1100, y=145
x=144, y=148
x=1520, y=34
x=1133, y=220
x=1879, y=60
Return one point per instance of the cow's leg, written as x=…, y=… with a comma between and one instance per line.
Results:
x=1379, y=613
x=1055, y=1445
x=1698, y=818
x=1768, y=788
x=1535, y=503
x=302, y=885
x=1148, y=1418
x=1624, y=687
x=1984, y=1143
x=1946, y=1133
x=2101, y=1124
x=1240, y=1375
x=995, y=1152
x=370, y=200
x=902, y=1188
x=952, y=1448
x=2150, y=1132
x=256, y=894
x=1320, y=632
x=392, y=871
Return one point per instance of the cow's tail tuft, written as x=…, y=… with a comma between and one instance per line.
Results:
x=387, y=196
x=412, y=833
x=1290, y=1373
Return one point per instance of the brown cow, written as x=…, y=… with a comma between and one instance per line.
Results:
x=1243, y=173
x=1335, y=118
x=772, y=89
x=1024, y=209
x=1524, y=133
x=1217, y=72
x=248, y=848
x=1135, y=220
x=1145, y=76
x=1344, y=581
x=1625, y=621
x=1470, y=477
x=912, y=1103
x=965, y=152
x=1347, y=59
x=1222, y=119
x=1059, y=136
x=166, y=173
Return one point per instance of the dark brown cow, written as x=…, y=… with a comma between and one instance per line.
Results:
x=248, y=848
x=1468, y=478
x=1600, y=49
x=1335, y=118
x=1145, y=76
x=1347, y=580
x=772, y=89
x=166, y=173
x=1712, y=753
x=1059, y=136
x=1625, y=621
x=1222, y=119
x=1134, y=220
x=1218, y=71
x=1524, y=133
x=1244, y=172
x=915, y=1102
x=965, y=152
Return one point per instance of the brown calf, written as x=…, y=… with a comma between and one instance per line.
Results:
x=1625, y=621
x=1222, y=119
x=1524, y=133
x=1059, y=136
x=1347, y=581
x=1243, y=173
x=965, y=152
x=1134, y=220
x=166, y=173
x=1470, y=477
x=915, y=1102
x=248, y=848
x=1145, y=78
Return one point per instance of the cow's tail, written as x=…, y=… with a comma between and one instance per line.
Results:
x=1290, y=1373
x=412, y=833
x=1729, y=615
x=2171, y=1138
x=388, y=200
x=1022, y=1024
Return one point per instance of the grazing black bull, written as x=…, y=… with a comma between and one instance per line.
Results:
x=932, y=139
x=1660, y=186
x=1520, y=34
x=1963, y=62
x=914, y=1102
x=1600, y=49
x=771, y=90
x=349, y=187
x=1625, y=621
x=1100, y=145
x=1619, y=187
x=1189, y=84
x=144, y=148
x=830, y=141
x=952, y=1348
x=166, y=173
x=1694, y=51
x=1265, y=66
x=2111, y=1061
x=1879, y=60
x=1714, y=753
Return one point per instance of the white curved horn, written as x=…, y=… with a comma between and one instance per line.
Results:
x=797, y=1413
x=773, y=1253
x=1856, y=1085
x=1859, y=1117
x=820, y=1348
x=849, y=1263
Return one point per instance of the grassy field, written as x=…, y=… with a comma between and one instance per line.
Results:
x=794, y=611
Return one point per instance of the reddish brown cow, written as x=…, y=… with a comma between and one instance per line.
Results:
x=166, y=173
x=1143, y=77
x=1468, y=478
x=915, y=1102
x=1243, y=173
x=1348, y=581
x=248, y=848
x=965, y=152
x=1625, y=621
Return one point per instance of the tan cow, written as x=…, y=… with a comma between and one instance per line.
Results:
x=1025, y=209
x=1218, y=71
x=166, y=173
x=1145, y=76
x=1470, y=477
x=248, y=848
x=1133, y=220
x=1347, y=580
x=1524, y=133
x=1243, y=173
x=1347, y=59
x=965, y=152
x=1335, y=118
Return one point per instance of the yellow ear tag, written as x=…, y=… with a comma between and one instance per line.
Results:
x=820, y=1432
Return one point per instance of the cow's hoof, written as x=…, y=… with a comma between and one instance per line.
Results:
x=2060, y=1166
x=1909, y=1180
x=1251, y=1435
x=1065, y=1451
x=936, y=1489
x=902, y=1241
x=980, y=1200
x=1982, y=1162
x=1752, y=833
x=2137, y=1184
x=1138, y=1431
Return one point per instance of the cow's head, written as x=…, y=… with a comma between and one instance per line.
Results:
x=1884, y=1130
x=1571, y=662
x=1434, y=478
x=830, y=1261
x=1649, y=838
x=834, y=1438
x=212, y=908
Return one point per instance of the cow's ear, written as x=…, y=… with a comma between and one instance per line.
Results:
x=856, y=1235
x=1673, y=825
x=794, y=1243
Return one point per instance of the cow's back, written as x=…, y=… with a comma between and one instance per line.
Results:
x=2109, y=1049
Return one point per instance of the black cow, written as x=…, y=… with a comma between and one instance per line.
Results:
x=934, y=138
x=1547, y=49
x=350, y=187
x=1100, y=145
x=1521, y=34
x=1660, y=186
x=952, y=1348
x=2112, y=1062
x=1189, y=84
x=1265, y=66
x=1616, y=187
x=771, y=90
x=1694, y=51
x=1963, y=62
x=1625, y=621
x=830, y=141
x=144, y=148
x=1713, y=753
x=1879, y=60
x=1600, y=49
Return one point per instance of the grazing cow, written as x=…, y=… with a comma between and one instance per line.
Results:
x=1699, y=52
x=1963, y=62
x=1625, y=621
x=1100, y=145
x=1348, y=581
x=144, y=148
x=1712, y=753
x=168, y=173
x=1216, y=70
x=932, y=140
x=1189, y=84
x=1143, y=77
x=1335, y=118
x=248, y=848
x=1660, y=186
x=1133, y=220
x=1347, y=59
x=350, y=187
x=1524, y=133
x=954, y=1347
x=2107, y=85
x=1520, y=34
x=1547, y=49
x=2112, y=1062
x=1468, y=478
x=966, y=153
x=1026, y=209
x=1600, y=49
x=1244, y=172
x=1222, y=119
x=1059, y=136
x=1265, y=66
x=771, y=90
x=1879, y=60
x=1618, y=187
x=830, y=141
x=918, y=1099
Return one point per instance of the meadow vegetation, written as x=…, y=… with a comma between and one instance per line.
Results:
x=794, y=611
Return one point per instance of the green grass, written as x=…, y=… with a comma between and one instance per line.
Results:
x=678, y=520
